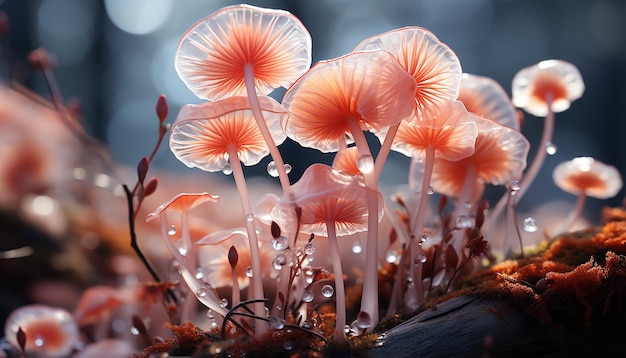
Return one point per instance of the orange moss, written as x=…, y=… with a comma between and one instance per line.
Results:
x=578, y=281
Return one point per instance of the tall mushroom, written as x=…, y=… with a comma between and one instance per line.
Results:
x=332, y=203
x=449, y=135
x=219, y=136
x=585, y=176
x=341, y=98
x=245, y=50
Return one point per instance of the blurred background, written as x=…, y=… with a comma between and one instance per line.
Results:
x=116, y=56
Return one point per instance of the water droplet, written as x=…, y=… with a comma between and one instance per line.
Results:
x=271, y=169
x=530, y=225
x=430, y=190
x=279, y=261
x=209, y=314
x=551, y=148
x=199, y=273
x=276, y=323
x=309, y=248
x=328, y=291
x=307, y=295
x=172, y=230
x=357, y=248
x=463, y=222
x=280, y=243
x=515, y=185
x=392, y=257
x=423, y=239
x=420, y=259
x=213, y=324
x=227, y=169
x=134, y=331
x=223, y=302
x=201, y=292
x=39, y=341
x=288, y=168
x=467, y=204
x=308, y=275
x=181, y=248
x=365, y=163
x=249, y=271
x=250, y=217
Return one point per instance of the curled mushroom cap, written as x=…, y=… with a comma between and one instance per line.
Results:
x=589, y=176
x=434, y=66
x=201, y=133
x=370, y=87
x=485, y=97
x=325, y=195
x=452, y=133
x=551, y=81
x=346, y=160
x=183, y=203
x=50, y=331
x=212, y=54
x=499, y=157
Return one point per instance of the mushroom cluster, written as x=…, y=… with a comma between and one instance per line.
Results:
x=284, y=266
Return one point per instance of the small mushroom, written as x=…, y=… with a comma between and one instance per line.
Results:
x=50, y=331
x=332, y=203
x=585, y=176
x=449, y=135
x=499, y=157
x=544, y=89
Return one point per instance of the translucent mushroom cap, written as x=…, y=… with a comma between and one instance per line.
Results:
x=211, y=55
x=485, y=97
x=183, y=202
x=585, y=174
x=325, y=195
x=50, y=331
x=499, y=157
x=452, y=133
x=554, y=80
x=202, y=132
x=369, y=86
x=434, y=66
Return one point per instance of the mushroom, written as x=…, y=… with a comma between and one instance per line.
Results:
x=245, y=50
x=332, y=203
x=343, y=97
x=544, y=89
x=434, y=66
x=485, y=97
x=585, y=176
x=182, y=204
x=49, y=331
x=221, y=135
x=449, y=135
x=499, y=157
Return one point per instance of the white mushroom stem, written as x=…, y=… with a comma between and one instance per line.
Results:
x=574, y=214
x=415, y=293
x=260, y=326
x=340, y=295
x=462, y=208
x=369, y=299
x=248, y=71
x=540, y=155
x=383, y=152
